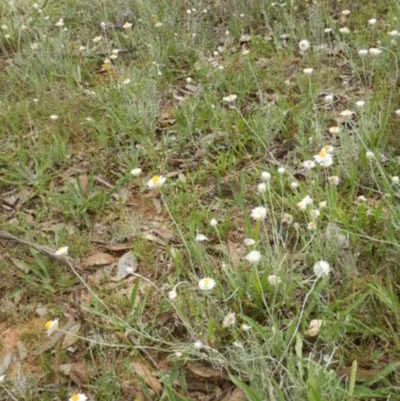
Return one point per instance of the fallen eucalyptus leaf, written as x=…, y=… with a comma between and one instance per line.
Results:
x=127, y=264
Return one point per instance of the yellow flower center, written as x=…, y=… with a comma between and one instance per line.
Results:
x=206, y=282
x=48, y=324
x=322, y=153
x=75, y=397
x=155, y=179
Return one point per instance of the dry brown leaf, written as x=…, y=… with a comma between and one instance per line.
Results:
x=234, y=253
x=144, y=372
x=236, y=395
x=127, y=264
x=6, y=362
x=157, y=205
x=152, y=194
x=84, y=183
x=98, y=259
x=205, y=371
x=361, y=374
x=199, y=385
x=71, y=336
x=21, y=265
x=153, y=238
x=164, y=233
x=174, y=173
x=78, y=372
x=163, y=317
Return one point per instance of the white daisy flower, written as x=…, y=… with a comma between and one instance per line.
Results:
x=172, y=295
x=259, y=213
x=334, y=180
x=323, y=204
x=335, y=130
x=395, y=179
x=287, y=219
x=308, y=164
x=308, y=71
x=328, y=98
x=344, y=30
x=281, y=170
x=245, y=327
x=314, y=214
x=304, y=45
x=261, y=188
x=96, y=39
x=311, y=225
x=266, y=176
x=53, y=117
x=360, y=103
x=373, y=51
x=253, y=257
x=230, y=98
x=306, y=201
x=201, y=238
x=78, y=397
x=393, y=33
x=369, y=155
x=213, y=222
x=206, y=284
x=198, y=345
x=294, y=185
x=346, y=114
x=372, y=21
x=127, y=25
x=130, y=270
x=249, y=241
x=136, y=172
x=156, y=181
x=363, y=52
x=346, y=12
x=229, y=319
x=51, y=326
x=60, y=22
x=61, y=251
x=322, y=268
x=323, y=158
x=274, y=280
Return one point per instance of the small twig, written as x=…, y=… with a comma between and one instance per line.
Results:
x=104, y=182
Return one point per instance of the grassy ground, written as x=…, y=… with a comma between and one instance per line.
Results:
x=217, y=97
